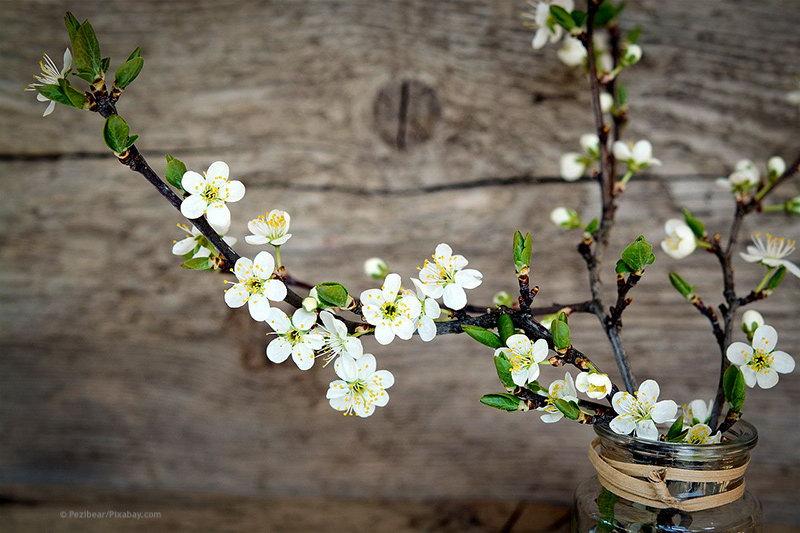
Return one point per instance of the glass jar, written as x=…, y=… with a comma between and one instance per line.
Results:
x=598, y=510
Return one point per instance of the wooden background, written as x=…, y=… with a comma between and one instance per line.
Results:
x=122, y=373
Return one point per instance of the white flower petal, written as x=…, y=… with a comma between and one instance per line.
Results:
x=664, y=411
x=366, y=366
x=217, y=213
x=192, y=182
x=258, y=305
x=279, y=350
x=337, y=389
x=384, y=334
x=234, y=191
x=391, y=286
x=184, y=246
x=749, y=376
x=193, y=206
x=255, y=239
x=642, y=151
x=236, y=295
x=739, y=353
x=243, y=268
x=767, y=379
x=454, y=297
x=263, y=265
x=646, y=429
x=765, y=338
x=345, y=367
x=469, y=278
x=383, y=378
x=426, y=328
x=405, y=329
x=304, y=320
x=218, y=169
x=623, y=424
x=782, y=362
x=648, y=392
x=624, y=403
x=621, y=151
x=540, y=351
x=303, y=356
x=275, y=290
x=278, y=320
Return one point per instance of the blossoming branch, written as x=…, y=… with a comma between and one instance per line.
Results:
x=327, y=322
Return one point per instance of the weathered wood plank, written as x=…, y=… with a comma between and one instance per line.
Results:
x=113, y=384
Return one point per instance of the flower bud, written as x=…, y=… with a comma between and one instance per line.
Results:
x=503, y=298
x=565, y=218
x=633, y=53
x=376, y=268
x=310, y=304
x=606, y=102
x=751, y=320
x=793, y=206
x=775, y=167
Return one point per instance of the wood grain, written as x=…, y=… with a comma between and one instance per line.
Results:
x=114, y=373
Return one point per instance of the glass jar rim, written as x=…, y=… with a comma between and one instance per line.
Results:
x=743, y=436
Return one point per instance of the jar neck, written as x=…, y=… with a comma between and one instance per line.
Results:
x=734, y=451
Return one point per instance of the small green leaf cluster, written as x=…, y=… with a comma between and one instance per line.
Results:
x=116, y=133
x=332, y=294
x=636, y=256
x=523, y=250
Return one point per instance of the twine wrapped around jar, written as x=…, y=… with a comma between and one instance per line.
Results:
x=647, y=484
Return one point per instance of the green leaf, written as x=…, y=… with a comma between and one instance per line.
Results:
x=634, y=34
x=503, y=367
x=72, y=25
x=76, y=99
x=523, y=249
x=535, y=387
x=621, y=96
x=483, y=336
x=696, y=225
x=504, y=402
x=116, y=133
x=174, y=171
x=562, y=17
x=592, y=227
x=86, y=52
x=569, y=408
x=622, y=267
x=686, y=290
x=734, y=387
x=137, y=52
x=561, y=336
x=55, y=93
x=505, y=326
x=638, y=254
x=198, y=263
x=332, y=294
x=607, y=12
x=675, y=429
x=105, y=64
x=775, y=280
x=128, y=71
x=578, y=17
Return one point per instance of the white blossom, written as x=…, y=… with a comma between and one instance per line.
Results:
x=336, y=340
x=392, y=310
x=560, y=389
x=680, y=241
x=631, y=55
x=376, y=268
x=524, y=357
x=771, y=253
x=572, y=53
x=208, y=194
x=761, y=363
x=573, y=165
x=697, y=412
x=254, y=286
x=445, y=277
x=751, y=321
x=594, y=384
x=360, y=388
x=546, y=28
x=701, y=434
x=426, y=325
x=198, y=243
x=565, y=218
x=638, y=156
x=775, y=166
x=606, y=102
x=744, y=177
x=641, y=412
x=295, y=337
x=272, y=228
x=49, y=76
